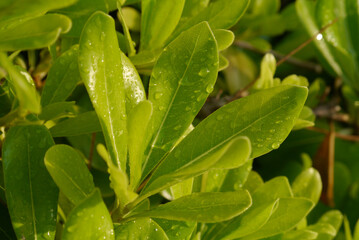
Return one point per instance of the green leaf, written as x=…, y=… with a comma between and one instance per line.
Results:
x=57, y=110
x=89, y=220
x=266, y=118
x=253, y=182
x=20, y=10
x=138, y=121
x=69, y=171
x=306, y=119
x=203, y=207
x=100, y=69
x=135, y=92
x=265, y=203
x=302, y=234
x=158, y=20
x=139, y=229
x=35, y=33
x=224, y=38
x=235, y=178
x=212, y=160
x=356, y=231
x=280, y=220
x=80, y=12
x=177, y=230
x=193, y=7
x=221, y=14
x=62, y=78
x=83, y=123
x=308, y=185
x=30, y=192
x=24, y=88
x=179, y=86
x=328, y=225
x=182, y=189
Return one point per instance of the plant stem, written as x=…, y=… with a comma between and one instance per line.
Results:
x=129, y=44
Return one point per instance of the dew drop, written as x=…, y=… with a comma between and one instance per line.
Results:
x=188, y=108
x=203, y=72
x=161, y=108
x=177, y=127
x=209, y=88
x=158, y=95
x=272, y=130
x=275, y=145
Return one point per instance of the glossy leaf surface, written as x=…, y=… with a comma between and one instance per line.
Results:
x=308, y=185
x=89, y=220
x=69, y=171
x=83, y=123
x=203, y=207
x=100, y=69
x=179, y=86
x=159, y=19
x=224, y=38
x=62, y=78
x=177, y=230
x=257, y=117
x=30, y=192
x=35, y=33
x=140, y=229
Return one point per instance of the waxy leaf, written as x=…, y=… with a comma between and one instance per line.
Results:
x=135, y=92
x=30, y=192
x=266, y=118
x=81, y=124
x=181, y=81
x=280, y=221
x=265, y=202
x=192, y=8
x=69, y=171
x=177, y=230
x=203, y=207
x=159, y=19
x=24, y=88
x=140, y=229
x=100, y=69
x=20, y=10
x=35, y=33
x=308, y=185
x=89, y=220
x=219, y=14
x=138, y=121
x=62, y=78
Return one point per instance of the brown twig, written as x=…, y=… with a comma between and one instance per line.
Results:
x=304, y=44
x=352, y=138
x=92, y=147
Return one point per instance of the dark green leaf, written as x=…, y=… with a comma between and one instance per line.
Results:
x=69, y=171
x=182, y=79
x=6, y=230
x=203, y=207
x=30, y=192
x=57, y=110
x=100, y=69
x=83, y=123
x=89, y=220
x=62, y=78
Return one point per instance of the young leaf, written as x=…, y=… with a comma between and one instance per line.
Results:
x=139, y=229
x=308, y=185
x=266, y=118
x=135, y=92
x=83, y=123
x=69, y=171
x=30, y=192
x=138, y=121
x=179, y=86
x=159, y=19
x=220, y=14
x=62, y=78
x=280, y=220
x=25, y=90
x=203, y=207
x=35, y=33
x=100, y=69
x=89, y=220
x=224, y=38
